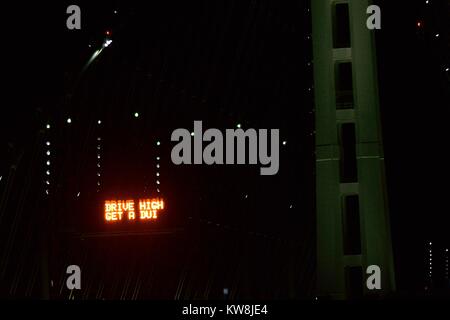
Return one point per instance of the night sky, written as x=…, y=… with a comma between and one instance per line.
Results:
x=227, y=63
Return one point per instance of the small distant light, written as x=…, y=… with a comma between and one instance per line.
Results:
x=46, y=191
x=157, y=182
x=48, y=152
x=48, y=163
x=446, y=250
x=284, y=143
x=437, y=35
x=192, y=134
x=419, y=24
x=157, y=174
x=158, y=143
x=47, y=182
x=430, y=243
x=98, y=156
x=78, y=194
x=158, y=158
x=225, y=291
x=107, y=43
x=115, y=11
x=48, y=172
x=98, y=165
x=108, y=33
x=99, y=122
x=69, y=120
x=136, y=115
x=157, y=166
x=47, y=126
x=427, y=2
x=291, y=206
x=447, y=69
x=246, y=196
x=99, y=139
x=158, y=190
x=98, y=174
x=48, y=143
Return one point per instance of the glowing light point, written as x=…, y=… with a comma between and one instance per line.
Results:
x=239, y=126
x=107, y=43
x=158, y=143
x=69, y=120
x=47, y=126
x=284, y=143
x=136, y=115
x=99, y=122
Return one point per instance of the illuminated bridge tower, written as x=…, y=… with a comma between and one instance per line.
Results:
x=353, y=229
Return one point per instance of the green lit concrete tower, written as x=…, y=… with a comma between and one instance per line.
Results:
x=353, y=229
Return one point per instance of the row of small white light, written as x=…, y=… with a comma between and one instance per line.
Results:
x=158, y=167
x=446, y=263
x=99, y=157
x=430, y=267
x=47, y=160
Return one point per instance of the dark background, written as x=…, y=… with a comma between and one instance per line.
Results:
x=224, y=63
